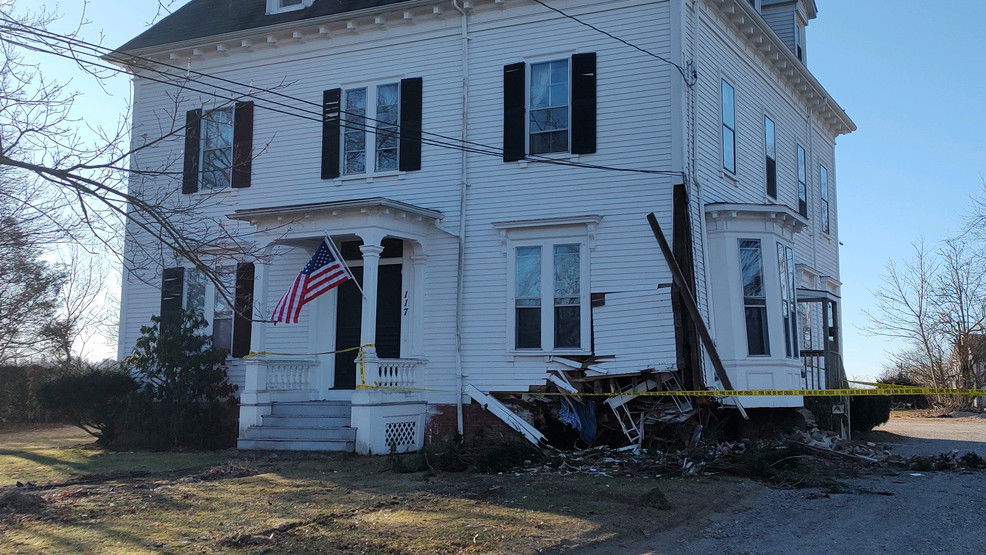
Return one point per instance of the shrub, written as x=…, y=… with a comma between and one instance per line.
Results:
x=19, y=387
x=95, y=400
x=185, y=399
x=905, y=401
x=867, y=413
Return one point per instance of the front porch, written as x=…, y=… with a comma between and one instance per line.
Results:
x=309, y=386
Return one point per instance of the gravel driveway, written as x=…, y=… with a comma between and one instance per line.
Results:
x=902, y=512
x=930, y=436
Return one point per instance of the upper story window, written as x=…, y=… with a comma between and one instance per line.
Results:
x=281, y=6
x=728, y=98
x=770, y=155
x=799, y=39
x=548, y=126
x=802, y=182
x=371, y=129
x=789, y=305
x=217, y=148
x=823, y=188
x=550, y=304
x=549, y=107
x=754, y=297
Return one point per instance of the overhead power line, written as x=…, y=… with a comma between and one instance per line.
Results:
x=98, y=51
x=689, y=79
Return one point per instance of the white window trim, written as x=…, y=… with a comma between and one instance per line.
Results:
x=370, y=143
x=275, y=6
x=528, y=82
x=547, y=244
x=232, y=149
x=768, y=116
x=722, y=123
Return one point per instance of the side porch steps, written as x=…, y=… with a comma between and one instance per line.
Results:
x=303, y=426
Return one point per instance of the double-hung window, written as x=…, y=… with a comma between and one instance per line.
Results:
x=823, y=188
x=789, y=308
x=217, y=148
x=754, y=297
x=222, y=310
x=550, y=304
x=770, y=155
x=802, y=182
x=728, y=98
x=548, y=126
x=371, y=129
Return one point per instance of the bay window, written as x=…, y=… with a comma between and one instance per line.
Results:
x=754, y=297
x=789, y=304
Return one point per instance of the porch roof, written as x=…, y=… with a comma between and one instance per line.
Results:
x=251, y=214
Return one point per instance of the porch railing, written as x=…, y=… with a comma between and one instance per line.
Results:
x=396, y=372
x=814, y=369
x=290, y=374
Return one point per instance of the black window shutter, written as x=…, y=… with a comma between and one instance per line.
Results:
x=410, y=152
x=242, y=145
x=193, y=132
x=172, y=288
x=584, y=103
x=243, y=310
x=331, y=100
x=514, y=112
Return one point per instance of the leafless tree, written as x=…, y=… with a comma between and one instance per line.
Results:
x=81, y=312
x=96, y=182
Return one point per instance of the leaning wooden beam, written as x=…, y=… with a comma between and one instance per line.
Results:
x=689, y=301
x=509, y=418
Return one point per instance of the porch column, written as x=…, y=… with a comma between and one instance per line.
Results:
x=371, y=250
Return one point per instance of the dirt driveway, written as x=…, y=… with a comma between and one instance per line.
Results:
x=912, y=512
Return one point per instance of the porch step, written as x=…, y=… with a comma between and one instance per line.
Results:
x=303, y=426
x=323, y=433
x=296, y=445
x=306, y=421
x=312, y=408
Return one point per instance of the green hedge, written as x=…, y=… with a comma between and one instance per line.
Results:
x=19, y=385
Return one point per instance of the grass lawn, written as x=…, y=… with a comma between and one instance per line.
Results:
x=321, y=503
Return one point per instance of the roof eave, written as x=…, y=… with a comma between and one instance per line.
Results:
x=843, y=124
x=119, y=56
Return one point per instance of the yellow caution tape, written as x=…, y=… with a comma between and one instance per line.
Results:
x=254, y=354
x=881, y=392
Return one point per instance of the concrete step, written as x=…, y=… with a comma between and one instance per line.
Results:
x=296, y=445
x=307, y=421
x=312, y=408
x=297, y=433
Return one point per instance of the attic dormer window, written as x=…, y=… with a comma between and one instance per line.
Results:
x=281, y=6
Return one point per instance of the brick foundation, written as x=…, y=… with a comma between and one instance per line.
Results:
x=477, y=422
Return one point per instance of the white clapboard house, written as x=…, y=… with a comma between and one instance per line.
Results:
x=487, y=266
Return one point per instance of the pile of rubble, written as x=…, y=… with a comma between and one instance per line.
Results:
x=821, y=449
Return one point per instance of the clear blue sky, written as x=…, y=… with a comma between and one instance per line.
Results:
x=911, y=73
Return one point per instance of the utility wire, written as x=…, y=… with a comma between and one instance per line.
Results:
x=479, y=148
x=689, y=80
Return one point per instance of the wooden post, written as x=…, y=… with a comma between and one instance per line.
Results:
x=688, y=299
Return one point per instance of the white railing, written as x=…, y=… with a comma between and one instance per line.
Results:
x=397, y=372
x=290, y=374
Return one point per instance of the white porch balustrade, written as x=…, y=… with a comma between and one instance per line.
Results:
x=397, y=372
x=291, y=375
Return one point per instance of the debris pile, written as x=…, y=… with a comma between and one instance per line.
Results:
x=14, y=501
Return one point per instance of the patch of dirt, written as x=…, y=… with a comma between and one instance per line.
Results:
x=219, y=473
x=15, y=501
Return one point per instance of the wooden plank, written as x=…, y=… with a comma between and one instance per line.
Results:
x=509, y=418
x=688, y=298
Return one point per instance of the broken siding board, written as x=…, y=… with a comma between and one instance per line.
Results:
x=508, y=417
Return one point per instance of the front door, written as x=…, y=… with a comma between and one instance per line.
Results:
x=349, y=315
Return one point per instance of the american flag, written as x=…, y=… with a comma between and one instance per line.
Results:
x=323, y=272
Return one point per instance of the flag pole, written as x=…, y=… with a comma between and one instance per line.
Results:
x=338, y=255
